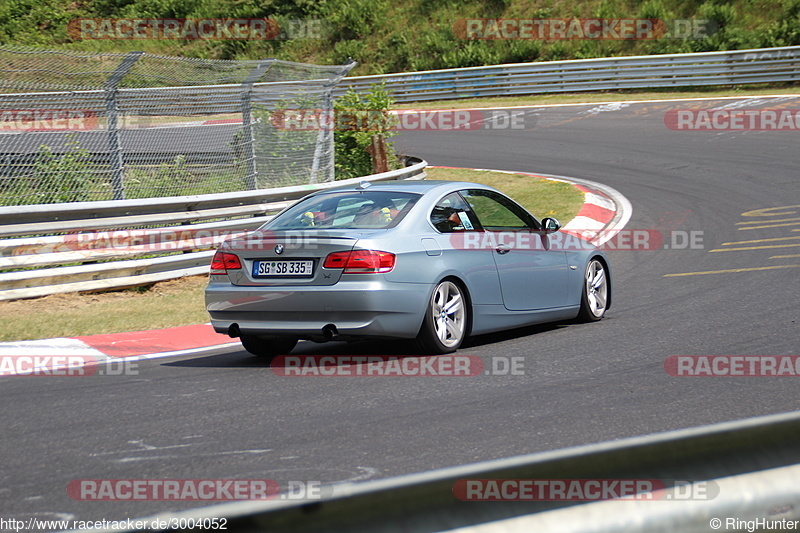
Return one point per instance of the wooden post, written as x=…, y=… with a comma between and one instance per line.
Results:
x=377, y=149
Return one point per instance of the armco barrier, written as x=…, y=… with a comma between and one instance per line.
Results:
x=747, y=470
x=60, y=234
x=763, y=65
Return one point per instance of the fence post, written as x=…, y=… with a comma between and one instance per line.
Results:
x=116, y=161
x=251, y=180
x=324, y=136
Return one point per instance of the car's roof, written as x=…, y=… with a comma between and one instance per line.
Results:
x=412, y=186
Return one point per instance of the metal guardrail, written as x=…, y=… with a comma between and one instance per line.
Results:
x=84, y=234
x=748, y=469
x=763, y=65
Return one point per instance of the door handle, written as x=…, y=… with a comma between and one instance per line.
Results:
x=502, y=249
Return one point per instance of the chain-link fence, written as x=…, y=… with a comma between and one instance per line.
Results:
x=79, y=126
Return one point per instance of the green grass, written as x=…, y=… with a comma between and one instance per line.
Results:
x=543, y=198
x=180, y=302
x=166, y=304
x=580, y=98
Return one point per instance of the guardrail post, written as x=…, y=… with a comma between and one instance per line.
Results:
x=251, y=179
x=117, y=163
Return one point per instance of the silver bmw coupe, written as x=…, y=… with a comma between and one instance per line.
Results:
x=433, y=261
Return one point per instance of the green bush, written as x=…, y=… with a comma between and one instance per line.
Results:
x=354, y=19
x=369, y=115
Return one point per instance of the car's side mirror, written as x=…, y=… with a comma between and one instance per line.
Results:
x=550, y=225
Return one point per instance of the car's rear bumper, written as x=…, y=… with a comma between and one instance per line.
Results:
x=376, y=308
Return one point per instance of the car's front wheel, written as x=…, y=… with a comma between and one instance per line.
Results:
x=594, y=300
x=268, y=346
x=445, y=325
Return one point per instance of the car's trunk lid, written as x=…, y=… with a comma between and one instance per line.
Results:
x=280, y=258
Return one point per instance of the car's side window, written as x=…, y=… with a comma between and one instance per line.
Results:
x=496, y=212
x=453, y=214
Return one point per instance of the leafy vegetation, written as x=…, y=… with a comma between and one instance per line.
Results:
x=52, y=177
x=359, y=118
x=389, y=36
x=74, y=175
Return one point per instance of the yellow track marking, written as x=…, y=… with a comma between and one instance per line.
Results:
x=759, y=240
x=766, y=221
x=771, y=226
x=753, y=248
x=729, y=271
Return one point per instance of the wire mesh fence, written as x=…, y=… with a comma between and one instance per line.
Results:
x=80, y=126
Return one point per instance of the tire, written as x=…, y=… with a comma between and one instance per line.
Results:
x=268, y=346
x=594, y=298
x=444, y=327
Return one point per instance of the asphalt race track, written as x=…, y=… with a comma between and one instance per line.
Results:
x=224, y=414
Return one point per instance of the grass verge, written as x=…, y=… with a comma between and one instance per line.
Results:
x=590, y=98
x=180, y=302
x=543, y=198
x=165, y=304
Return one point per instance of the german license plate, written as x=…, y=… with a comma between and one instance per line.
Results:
x=293, y=268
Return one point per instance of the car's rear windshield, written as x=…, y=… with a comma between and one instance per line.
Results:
x=347, y=209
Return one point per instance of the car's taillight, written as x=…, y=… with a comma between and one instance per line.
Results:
x=336, y=260
x=361, y=261
x=223, y=261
